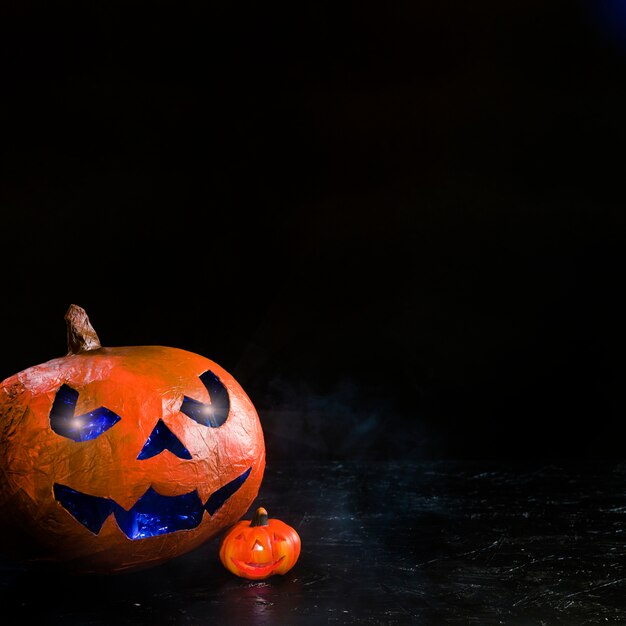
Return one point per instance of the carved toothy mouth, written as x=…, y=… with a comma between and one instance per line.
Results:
x=259, y=565
x=260, y=569
x=153, y=514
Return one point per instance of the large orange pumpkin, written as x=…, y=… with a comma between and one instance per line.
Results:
x=117, y=459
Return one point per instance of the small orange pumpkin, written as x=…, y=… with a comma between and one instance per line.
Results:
x=260, y=547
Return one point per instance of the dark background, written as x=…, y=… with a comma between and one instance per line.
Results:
x=399, y=225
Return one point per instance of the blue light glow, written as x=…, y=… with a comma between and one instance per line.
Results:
x=212, y=415
x=78, y=427
x=217, y=499
x=162, y=438
x=90, y=511
x=153, y=514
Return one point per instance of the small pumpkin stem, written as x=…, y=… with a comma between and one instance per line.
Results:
x=81, y=336
x=260, y=518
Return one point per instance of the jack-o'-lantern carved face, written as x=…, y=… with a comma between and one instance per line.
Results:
x=260, y=548
x=121, y=458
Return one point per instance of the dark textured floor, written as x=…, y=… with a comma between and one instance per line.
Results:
x=432, y=543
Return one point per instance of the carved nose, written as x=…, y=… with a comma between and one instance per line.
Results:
x=162, y=438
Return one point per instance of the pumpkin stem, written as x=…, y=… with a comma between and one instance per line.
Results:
x=81, y=336
x=260, y=518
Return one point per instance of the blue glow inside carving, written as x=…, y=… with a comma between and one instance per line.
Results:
x=83, y=427
x=90, y=511
x=162, y=438
x=152, y=515
x=212, y=415
x=217, y=499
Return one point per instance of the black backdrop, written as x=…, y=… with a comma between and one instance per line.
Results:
x=399, y=225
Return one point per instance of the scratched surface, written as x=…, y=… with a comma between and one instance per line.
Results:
x=432, y=543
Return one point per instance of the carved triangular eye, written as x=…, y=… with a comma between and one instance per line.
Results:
x=78, y=427
x=212, y=415
x=278, y=537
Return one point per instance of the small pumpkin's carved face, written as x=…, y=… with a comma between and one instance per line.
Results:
x=260, y=548
x=121, y=458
